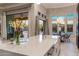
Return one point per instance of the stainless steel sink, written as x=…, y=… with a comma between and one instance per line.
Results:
x=8, y=53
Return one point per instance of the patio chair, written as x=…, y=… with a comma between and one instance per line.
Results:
x=62, y=37
x=67, y=37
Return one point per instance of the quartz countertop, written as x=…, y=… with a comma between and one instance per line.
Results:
x=34, y=47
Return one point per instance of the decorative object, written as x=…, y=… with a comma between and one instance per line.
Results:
x=17, y=24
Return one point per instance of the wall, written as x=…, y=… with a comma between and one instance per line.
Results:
x=42, y=9
x=33, y=12
x=61, y=12
x=17, y=11
x=3, y=25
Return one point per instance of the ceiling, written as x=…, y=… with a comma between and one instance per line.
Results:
x=12, y=6
x=56, y=5
x=6, y=4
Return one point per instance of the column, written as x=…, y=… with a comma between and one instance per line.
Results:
x=57, y=28
x=74, y=25
x=3, y=25
x=66, y=25
x=32, y=19
x=50, y=26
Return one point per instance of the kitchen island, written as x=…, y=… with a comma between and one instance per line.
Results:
x=47, y=46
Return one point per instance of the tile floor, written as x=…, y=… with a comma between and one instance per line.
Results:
x=68, y=49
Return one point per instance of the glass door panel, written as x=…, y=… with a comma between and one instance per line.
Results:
x=10, y=29
x=62, y=28
x=54, y=28
x=41, y=27
x=70, y=28
x=24, y=29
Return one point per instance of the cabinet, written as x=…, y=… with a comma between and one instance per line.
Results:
x=55, y=49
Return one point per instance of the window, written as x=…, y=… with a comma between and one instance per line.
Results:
x=10, y=29
x=62, y=28
x=54, y=28
x=39, y=13
x=70, y=28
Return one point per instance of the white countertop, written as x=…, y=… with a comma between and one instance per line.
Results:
x=34, y=47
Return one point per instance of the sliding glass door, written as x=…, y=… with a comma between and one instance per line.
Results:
x=24, y=29
x=70, y=26
x=62, y=28
x=17, y=19
x=54, y=28
x=10, y=29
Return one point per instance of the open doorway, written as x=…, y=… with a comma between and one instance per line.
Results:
x=40, y=27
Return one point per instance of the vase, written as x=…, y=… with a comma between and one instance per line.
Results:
x=17, y=38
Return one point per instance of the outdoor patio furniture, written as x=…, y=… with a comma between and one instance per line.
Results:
x=65, y=37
